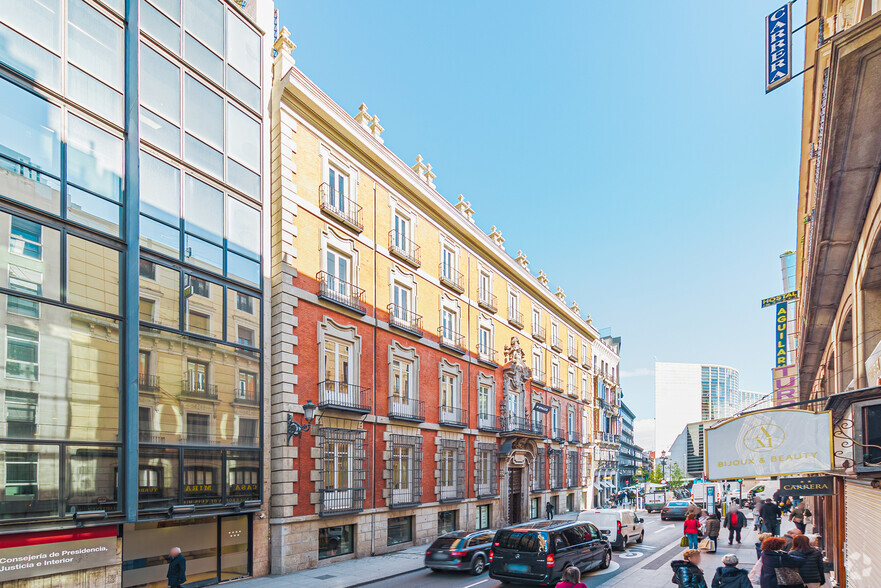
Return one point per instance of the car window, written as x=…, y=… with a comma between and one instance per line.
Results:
x=445, y=543
x=525, y=541
x=559, y=541
x=678, y=504
x=595, y=533
x=486, y=537
x=574, y=536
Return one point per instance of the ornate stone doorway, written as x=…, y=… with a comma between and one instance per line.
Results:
x=515, y=496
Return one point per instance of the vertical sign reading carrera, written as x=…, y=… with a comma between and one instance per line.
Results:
x=780, y=324
x=778, y=47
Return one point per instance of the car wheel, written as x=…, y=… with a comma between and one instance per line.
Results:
x=641, y=537
x=478, y=565
x=663, y=518
x=607, y=560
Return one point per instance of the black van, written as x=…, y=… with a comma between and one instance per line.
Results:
x=537, y=553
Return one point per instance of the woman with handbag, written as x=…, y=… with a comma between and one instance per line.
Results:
x=812, y=570
x=686, y=572
x=778, y=567
x=713, y=526
x=692, y=529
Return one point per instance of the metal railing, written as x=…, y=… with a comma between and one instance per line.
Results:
x=250, y=399
x=407, y=409
x=451, y=277
x=555, y=344
x=343, y=396
x=342, y=208
x=452, y=416
x=515, y=317
x=147, y=382
x=451, y=339
x=486, y=421
x=573, y=355
x=486, y=353
x=538, y=376
x=522, y=425
x=487, y=300
x=404, y=248
x=606, y=438
x=343, y=293
x=198, y=390
x=539, y=332
x=405, y=319
x=557, y=384
x=558, y=434
x=574, y=437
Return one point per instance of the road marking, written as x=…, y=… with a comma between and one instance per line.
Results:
x=632, y=554
x=613, y=567
x=476, y=583
x=661, y=530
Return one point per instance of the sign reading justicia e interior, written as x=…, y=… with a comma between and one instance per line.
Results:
x=30, y=555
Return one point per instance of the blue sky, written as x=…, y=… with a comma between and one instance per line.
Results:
x=631, y=154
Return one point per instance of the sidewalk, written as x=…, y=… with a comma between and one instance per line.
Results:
x=656, y=572
x=357, y=572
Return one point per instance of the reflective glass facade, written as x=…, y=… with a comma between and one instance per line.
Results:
x=83, y=162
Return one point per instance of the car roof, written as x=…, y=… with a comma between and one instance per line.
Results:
x=543, y=526
x=456, y=534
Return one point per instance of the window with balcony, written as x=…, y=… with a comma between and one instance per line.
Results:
x=196, y=383
x=339, y=372
x=344, y=475
x=556, y=382
x=572, y=425
x=22, y=353
x=404, y=400
x=401, y=242
x=405, y=465
x=450, y=401
x=515, y=317
x=21, y=414
x=486, y=298
x=198, y=427
x=485, y=401
x=246, y=391
x=485, y=345
x=538, y=374
x=572, y=390
x=449, y=330
x=486, y=474
x=571, y=349
x=451, y=465
x=555, y=337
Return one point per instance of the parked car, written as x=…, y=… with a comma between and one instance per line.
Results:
x=460, y=550
x=620, y=526
x=675, y=509
x=655, y=501
x=538, y=553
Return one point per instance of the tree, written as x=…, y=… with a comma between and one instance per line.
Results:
x=676, y=476
x=657, y=475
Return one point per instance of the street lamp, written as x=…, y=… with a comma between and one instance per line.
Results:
x=294, y=429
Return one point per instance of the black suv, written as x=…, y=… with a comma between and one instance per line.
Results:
x=460, y=550
x=537, y=553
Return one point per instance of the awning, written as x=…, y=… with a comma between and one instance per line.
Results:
x=507, y=446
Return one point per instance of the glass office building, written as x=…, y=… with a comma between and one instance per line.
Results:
x=131, y=295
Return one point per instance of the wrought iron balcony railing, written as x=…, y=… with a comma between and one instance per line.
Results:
x=521, y=425
x=558, y=434
x=198, y=389
x=404, y=319
x=452, y=416
x=574, y=437
x=451, y=339
x=402, y=247
x=343, y=396
x=148, y=383
x=487, y=301
x=406, y=409
x=539, y=332
x=451, y=277
x=486, y=354
x=515, y=317
x=573, y=355
x=538, y=376
x=557, y=384
x=341, y=208
x=487, y=421
x=343, y=293
x=555, y=344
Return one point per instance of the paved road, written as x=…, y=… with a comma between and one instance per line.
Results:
x=658, y=536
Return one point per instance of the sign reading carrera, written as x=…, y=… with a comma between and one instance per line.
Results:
x=769, y=443
x=810, y=486
x=778, y=47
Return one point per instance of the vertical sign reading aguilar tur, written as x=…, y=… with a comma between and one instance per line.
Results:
x=780, y=324
x=778, y=47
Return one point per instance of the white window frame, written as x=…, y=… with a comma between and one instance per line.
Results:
x=488, y=384
x=36, y=343
x=328, y=328
x=452, y=329
x=513, y=301
x=402, y=478
x=404, y=355
x=343, y=497
x=341, y=245
x=452, y=387
x=572, y=383
x=485, y=286
x=350, y=172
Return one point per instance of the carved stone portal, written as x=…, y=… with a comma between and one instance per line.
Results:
x=519, y=456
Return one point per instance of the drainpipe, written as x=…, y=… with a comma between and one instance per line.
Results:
x=373, y=385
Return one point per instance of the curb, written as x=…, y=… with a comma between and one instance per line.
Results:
x=384, y=578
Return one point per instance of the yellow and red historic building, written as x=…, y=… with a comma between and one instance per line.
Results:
x=425, y=345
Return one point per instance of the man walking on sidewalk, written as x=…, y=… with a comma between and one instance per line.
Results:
x=771, y=517
x=734, y=522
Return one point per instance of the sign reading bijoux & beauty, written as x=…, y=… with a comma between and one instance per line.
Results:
x=769, y=443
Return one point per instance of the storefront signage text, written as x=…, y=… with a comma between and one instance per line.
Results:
x=778, y=47
x=810, y=486
x=30, y=555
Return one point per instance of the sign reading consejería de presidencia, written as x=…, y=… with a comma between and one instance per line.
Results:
x=788, y=297
x=810, y=486
x=30, y=555
x=776, y=442
x=778, y=47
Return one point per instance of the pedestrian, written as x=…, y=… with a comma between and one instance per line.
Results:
x=691, y=528
x=686, y=572
x=571, y=579
x=713, y=526
x=731, y=576
x=757, y=515
x=771, y=517
x=812, y=571
x=798, y=515
x=761, y=538
x=693, y=509
x=177, y=568
x=702, y=519
x=549, y=509
x=735, y=520
x=789, y=536
x=787, y=505
x=773, y=558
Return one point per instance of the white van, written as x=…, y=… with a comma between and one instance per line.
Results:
x=620, y=526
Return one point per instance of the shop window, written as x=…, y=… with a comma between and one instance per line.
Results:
x=483, y=516
x=158, y=475
x=243, y=475
x=201, y=483
x=447, y=521
x=334, y=541
x=533, y=508
x=400, y=530
x=90, y=480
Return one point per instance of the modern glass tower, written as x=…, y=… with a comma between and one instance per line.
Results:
x=131, y=282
